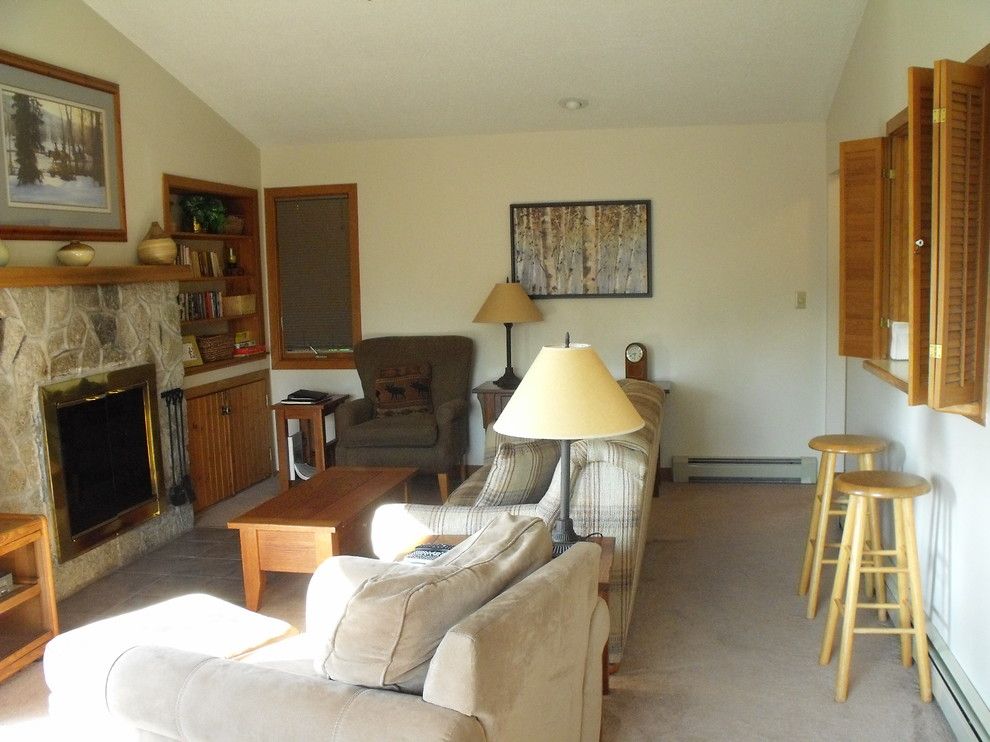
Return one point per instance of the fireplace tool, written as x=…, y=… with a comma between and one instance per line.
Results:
x=187, y=484
x=177, y=493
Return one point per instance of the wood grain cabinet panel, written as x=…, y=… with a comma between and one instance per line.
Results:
x=230, y=444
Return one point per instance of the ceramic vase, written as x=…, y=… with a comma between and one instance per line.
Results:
x=76, y=254
x=157, y=248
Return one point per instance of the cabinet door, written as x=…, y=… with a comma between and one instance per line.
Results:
x=209, y=449
x=920, y=92
x=861, y=241
x=959, y=229
x=250, y=434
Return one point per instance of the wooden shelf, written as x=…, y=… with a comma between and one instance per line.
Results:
x=212, y=236
x=24, y=276
x=204, y=279
x=214, y=365
x=28, y=617
x=19, y=595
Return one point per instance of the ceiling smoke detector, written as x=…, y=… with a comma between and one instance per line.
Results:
x=572, y=104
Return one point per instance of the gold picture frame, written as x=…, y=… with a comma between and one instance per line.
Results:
x=190, y=352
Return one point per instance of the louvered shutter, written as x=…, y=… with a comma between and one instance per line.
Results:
x=920, y=96
x=959, y=228
x=861, y=223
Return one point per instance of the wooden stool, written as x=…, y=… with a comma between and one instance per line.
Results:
x=864, y=487
x=822, y=509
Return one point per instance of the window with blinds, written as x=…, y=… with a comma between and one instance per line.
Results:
x=313, y=275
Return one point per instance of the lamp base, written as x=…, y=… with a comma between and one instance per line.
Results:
x=563, y=536
x=508, y=380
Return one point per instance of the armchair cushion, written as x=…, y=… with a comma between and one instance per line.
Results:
x=392, y=622
x=403, y=390
x=520, y=473
x=417, y=429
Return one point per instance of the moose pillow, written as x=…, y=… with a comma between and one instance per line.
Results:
x=403, y=390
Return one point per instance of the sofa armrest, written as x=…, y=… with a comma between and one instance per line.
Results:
x=396, y=528
x=520, y=663
x=352, y=412
x=190, y=696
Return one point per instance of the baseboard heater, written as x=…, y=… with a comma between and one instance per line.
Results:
x=799, y=470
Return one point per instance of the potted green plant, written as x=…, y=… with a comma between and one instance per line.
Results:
x=204, y=212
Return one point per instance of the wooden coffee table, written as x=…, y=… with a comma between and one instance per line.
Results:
x=327, y=515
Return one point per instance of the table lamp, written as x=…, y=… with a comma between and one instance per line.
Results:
x=566, y=395
x=508, y=304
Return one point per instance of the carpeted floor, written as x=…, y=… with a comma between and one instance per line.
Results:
x=719, y=648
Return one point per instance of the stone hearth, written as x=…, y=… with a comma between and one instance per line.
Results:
x=61, y=332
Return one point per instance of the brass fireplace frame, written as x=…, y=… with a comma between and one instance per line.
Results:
x=90, y=388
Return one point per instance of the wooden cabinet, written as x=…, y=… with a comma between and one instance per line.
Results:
x=917, y=203
x=230, y=438
x=215, y=274
x=27, y=612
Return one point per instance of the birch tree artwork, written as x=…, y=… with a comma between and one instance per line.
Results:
x=54, y=152
x=582, y=249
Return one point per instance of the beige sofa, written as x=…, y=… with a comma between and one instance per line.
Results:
x=612, y=482
x=525, y=665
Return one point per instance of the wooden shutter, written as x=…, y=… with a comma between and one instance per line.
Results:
x=959, y=229
x=920, y=96
x=861, y=224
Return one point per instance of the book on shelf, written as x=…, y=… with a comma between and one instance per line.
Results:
x=203, y=263
x=307, y=395
x=200, y=305
x=250, y=350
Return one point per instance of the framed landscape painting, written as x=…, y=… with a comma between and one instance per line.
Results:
x=63, y=174
x=582, y=248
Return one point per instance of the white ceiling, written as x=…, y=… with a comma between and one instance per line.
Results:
x=297, y=71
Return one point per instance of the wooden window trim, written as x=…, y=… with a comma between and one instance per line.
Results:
x=282, y=359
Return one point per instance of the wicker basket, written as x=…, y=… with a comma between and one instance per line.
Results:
x=215, y=347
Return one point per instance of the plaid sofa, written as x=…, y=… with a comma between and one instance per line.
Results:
x=612, y=481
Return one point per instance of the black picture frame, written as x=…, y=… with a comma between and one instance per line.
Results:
x=582, y=249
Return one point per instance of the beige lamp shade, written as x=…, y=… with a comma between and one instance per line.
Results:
x=568, y=394
x=507, y=302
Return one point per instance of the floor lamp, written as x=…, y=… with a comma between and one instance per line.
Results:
x=567, y=395
x=508, y=304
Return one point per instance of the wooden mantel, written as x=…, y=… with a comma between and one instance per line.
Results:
x=24, y=276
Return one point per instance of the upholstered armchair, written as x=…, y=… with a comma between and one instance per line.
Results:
x=415, y=406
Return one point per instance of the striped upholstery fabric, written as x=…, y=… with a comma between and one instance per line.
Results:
x=612, y=482
x=520, y=473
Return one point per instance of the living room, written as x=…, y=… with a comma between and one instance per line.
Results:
x=743, y=212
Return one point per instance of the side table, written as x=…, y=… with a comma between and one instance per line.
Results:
x=312, y=415
x=28, y=619
x=493, y=400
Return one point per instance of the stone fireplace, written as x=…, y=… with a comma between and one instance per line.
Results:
x=55, y=334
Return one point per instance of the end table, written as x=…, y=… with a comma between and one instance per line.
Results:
x=313, y=415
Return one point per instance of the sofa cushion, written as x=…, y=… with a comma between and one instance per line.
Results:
x=402, y=390
x=392, y=623
x=520, y=473
x=417, y=429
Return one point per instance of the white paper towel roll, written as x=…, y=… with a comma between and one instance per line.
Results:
x=898, y=341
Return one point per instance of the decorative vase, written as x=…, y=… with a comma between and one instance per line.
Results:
x=75, y=253
x=4, y=254
x=157, y=248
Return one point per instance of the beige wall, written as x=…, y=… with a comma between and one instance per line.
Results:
x=950, y=450
x=739, y=228
x=165, y=127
